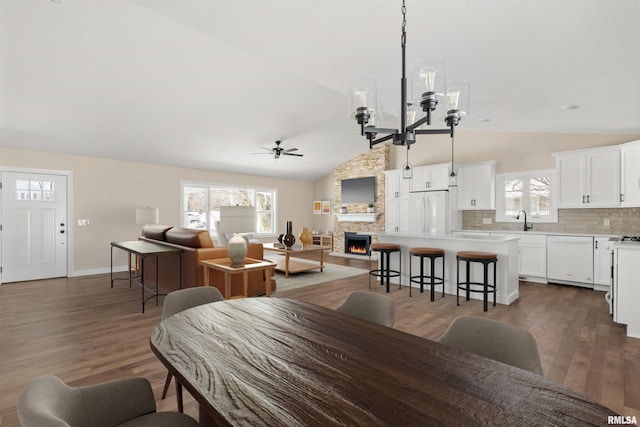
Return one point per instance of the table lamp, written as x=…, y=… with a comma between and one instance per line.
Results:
x=147, y=215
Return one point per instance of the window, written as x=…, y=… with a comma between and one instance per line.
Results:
x=41, y=191
x=201, y=205
x=531, y=191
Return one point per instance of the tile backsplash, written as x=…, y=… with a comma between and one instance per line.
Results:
x=622, y=221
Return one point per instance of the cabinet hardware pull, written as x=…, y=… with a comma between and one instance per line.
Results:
x=621, y=197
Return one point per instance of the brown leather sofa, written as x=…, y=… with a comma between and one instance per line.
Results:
x=196, y=246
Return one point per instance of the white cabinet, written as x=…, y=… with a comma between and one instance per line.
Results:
x=588, y=178
x=396, y=202
x=601, y=264
x=477, y=186
x=397, y=216
x=626, y=290
x=532, y=256
x=630, y=174
x=432, y=177
x=396, y=187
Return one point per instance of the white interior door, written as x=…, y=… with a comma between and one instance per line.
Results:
x=34, y=226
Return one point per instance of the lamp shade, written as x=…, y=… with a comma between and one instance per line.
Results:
x=147, y=215
x=237, y=219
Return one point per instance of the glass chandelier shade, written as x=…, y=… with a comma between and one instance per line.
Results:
x=428, y=76
x=457, y=100
x=363, y=101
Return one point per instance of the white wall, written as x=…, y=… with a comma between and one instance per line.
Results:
x=106, y=192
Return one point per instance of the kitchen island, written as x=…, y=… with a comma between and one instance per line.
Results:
x=506, y=247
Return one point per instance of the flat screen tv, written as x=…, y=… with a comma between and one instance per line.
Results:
x=359, y=190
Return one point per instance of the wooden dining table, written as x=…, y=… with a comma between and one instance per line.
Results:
x=283, y=362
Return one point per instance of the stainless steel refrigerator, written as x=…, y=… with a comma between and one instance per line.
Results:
x=434, y=212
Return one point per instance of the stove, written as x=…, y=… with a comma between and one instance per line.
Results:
x=630, y=239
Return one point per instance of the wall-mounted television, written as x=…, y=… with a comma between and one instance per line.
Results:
x=358, y=190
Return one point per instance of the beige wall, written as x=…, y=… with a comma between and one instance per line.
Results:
x=106, y=192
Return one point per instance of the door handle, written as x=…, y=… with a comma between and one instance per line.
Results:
x=61, y=231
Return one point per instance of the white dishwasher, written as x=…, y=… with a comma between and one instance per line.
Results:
x=570, y=260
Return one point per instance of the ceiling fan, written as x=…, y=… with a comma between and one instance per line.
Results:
x=277, y=151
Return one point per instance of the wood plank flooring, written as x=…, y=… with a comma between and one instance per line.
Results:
x=85, y=332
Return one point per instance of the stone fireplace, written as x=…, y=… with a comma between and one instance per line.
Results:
x=372, y=163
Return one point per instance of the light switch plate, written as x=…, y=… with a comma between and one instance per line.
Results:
x=486, y=220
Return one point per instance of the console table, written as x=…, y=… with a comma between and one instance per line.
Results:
x=144, y=249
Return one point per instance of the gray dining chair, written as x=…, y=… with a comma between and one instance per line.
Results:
x=48, y=401
x=370, y=306
x=178, y=301
x=495, y=340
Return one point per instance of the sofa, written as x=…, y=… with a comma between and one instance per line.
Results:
x=196, y=246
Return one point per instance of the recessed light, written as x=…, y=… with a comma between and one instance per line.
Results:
x=483, y=119
x=569, y=107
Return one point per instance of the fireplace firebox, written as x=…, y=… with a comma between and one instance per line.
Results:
x=356, y=244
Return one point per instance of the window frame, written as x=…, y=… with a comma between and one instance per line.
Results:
x=207, y=186
x=526, y=177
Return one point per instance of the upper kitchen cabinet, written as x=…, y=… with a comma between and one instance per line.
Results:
x=429, y=178
x=630, y=174
x=588, y=178
x=477, y=185
x=396, y=187
x=396, y=202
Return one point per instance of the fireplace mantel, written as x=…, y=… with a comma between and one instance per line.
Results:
x=357, y=217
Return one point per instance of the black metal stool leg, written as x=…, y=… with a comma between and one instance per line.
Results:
x=433, y=278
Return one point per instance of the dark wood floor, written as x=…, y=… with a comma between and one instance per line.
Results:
x=85, y=332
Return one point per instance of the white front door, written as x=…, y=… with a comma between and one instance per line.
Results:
x=34, y=226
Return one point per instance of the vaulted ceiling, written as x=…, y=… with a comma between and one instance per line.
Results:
x=207, y=83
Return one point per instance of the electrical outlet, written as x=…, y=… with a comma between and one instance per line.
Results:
x=486, y=220
x=607, y=222
x=83, y=222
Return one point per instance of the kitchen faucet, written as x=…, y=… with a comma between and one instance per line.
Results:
x=526, y=227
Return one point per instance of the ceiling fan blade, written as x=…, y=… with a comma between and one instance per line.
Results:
x=293, y=154
x=290, y=149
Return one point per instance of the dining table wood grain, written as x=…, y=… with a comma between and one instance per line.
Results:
x=284, y=362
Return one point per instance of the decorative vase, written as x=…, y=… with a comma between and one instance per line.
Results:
x=305, y=236
x=237, y=250
x=289, y=239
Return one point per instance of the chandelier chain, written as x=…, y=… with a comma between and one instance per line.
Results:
x=404, y=24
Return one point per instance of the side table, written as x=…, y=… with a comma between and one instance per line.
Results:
x=250, y=264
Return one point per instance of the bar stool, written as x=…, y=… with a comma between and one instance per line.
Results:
x=432, y=254
x=485, y=258
x=385, y=271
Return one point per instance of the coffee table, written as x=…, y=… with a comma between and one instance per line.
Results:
x=288, y=265
x=250, y=264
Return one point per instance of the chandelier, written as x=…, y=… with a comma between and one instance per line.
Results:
x=429, y=89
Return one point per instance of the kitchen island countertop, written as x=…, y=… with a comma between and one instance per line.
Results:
x=506, y=247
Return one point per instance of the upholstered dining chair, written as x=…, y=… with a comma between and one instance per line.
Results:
x=495, y=340
x=370, y=306
x=48, y=401
x=181, y=300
